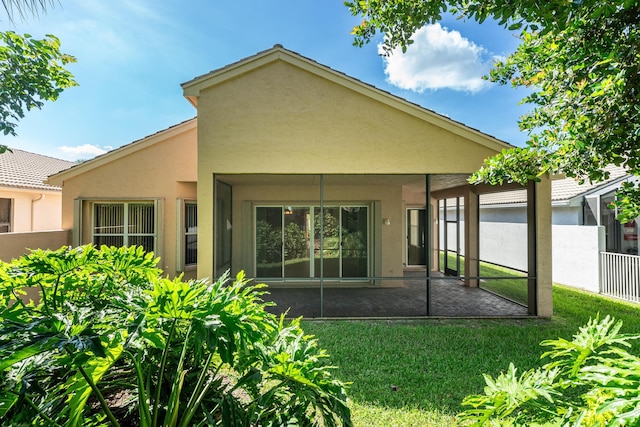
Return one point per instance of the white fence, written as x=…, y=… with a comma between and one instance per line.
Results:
x=620, y=276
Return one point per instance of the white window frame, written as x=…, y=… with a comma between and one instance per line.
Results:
x=125, y=232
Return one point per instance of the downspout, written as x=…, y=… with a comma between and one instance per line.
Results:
x=33, y=202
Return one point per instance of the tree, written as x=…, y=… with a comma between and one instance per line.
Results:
x=32, y=70
x=580, y=58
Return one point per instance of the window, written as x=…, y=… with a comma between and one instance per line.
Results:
x=5, y=215
x=190, y=233
x=124, y=224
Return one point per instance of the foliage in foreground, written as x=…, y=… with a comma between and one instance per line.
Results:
x=111, y=342
x=591, y=380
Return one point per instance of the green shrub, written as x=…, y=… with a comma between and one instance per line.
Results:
x=268, y=243
x=112, y=342
x=295, y=243
x=330, y=227
x=589, y=381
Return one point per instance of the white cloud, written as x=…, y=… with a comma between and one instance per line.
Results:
x=438, y=59
x=84, y=152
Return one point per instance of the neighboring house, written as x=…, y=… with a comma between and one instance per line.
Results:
x=584, y=227
x=302, y=176
x=26, y=202
x=30, y=209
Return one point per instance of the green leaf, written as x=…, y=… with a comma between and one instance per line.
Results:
x=79, y=389
x=18, y=355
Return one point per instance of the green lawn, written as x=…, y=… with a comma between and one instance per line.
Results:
x=416, y=373
x=509, y=283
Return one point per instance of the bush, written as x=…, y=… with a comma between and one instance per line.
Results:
x=112, y=342
x=295, y=242
x=589, y=381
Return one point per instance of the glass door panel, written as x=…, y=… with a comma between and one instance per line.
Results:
x=269, y=241
x=415, y=237
x=297, y=222
x=452, y=236
x=330, y=242
x=223, y=228
x=284, y=244
x=354, y=241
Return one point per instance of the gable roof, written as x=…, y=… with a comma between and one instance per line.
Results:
x=22, y=169
x=192, y=88
x=132, y=147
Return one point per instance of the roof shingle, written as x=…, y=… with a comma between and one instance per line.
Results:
x=23, y=169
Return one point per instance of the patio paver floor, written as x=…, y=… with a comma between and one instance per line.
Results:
x=449, y=298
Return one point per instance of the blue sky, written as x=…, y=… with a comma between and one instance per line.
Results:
x=133, y=55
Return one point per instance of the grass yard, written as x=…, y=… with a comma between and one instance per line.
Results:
x=416, y=373
x=509, y=283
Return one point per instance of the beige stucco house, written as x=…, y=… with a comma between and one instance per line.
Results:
x=27, y=203
x=303, y=177
x=136, y=195
x=30, y=209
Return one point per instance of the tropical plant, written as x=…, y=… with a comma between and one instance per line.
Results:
x=591, y=380
x=109, y=341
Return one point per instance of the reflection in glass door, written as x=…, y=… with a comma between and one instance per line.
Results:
x=296, y=241
x=223, y=228
x=354, y=242
x=416, y=255
x=289, y=237
x=330, y=250
x=269, y=242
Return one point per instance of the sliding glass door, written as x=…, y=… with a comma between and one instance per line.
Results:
x=309, y=241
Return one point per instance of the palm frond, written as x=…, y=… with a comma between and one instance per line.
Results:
x=25, y=8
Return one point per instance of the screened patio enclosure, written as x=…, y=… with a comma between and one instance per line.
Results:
x=336, y=245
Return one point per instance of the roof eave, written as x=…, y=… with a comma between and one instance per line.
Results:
x=59, y=178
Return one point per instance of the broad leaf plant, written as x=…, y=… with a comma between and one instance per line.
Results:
x=98, y=337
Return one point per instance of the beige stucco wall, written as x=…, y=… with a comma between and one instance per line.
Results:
x=14, y=245
x=34, y=210
x=163, y=170
x=292, y=121
x=282, y=118
x=543, y=250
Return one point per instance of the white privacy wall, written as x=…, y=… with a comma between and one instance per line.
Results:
x=576, y=255
x=504, y=243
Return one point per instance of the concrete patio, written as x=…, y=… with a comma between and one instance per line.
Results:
x=448, y=298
